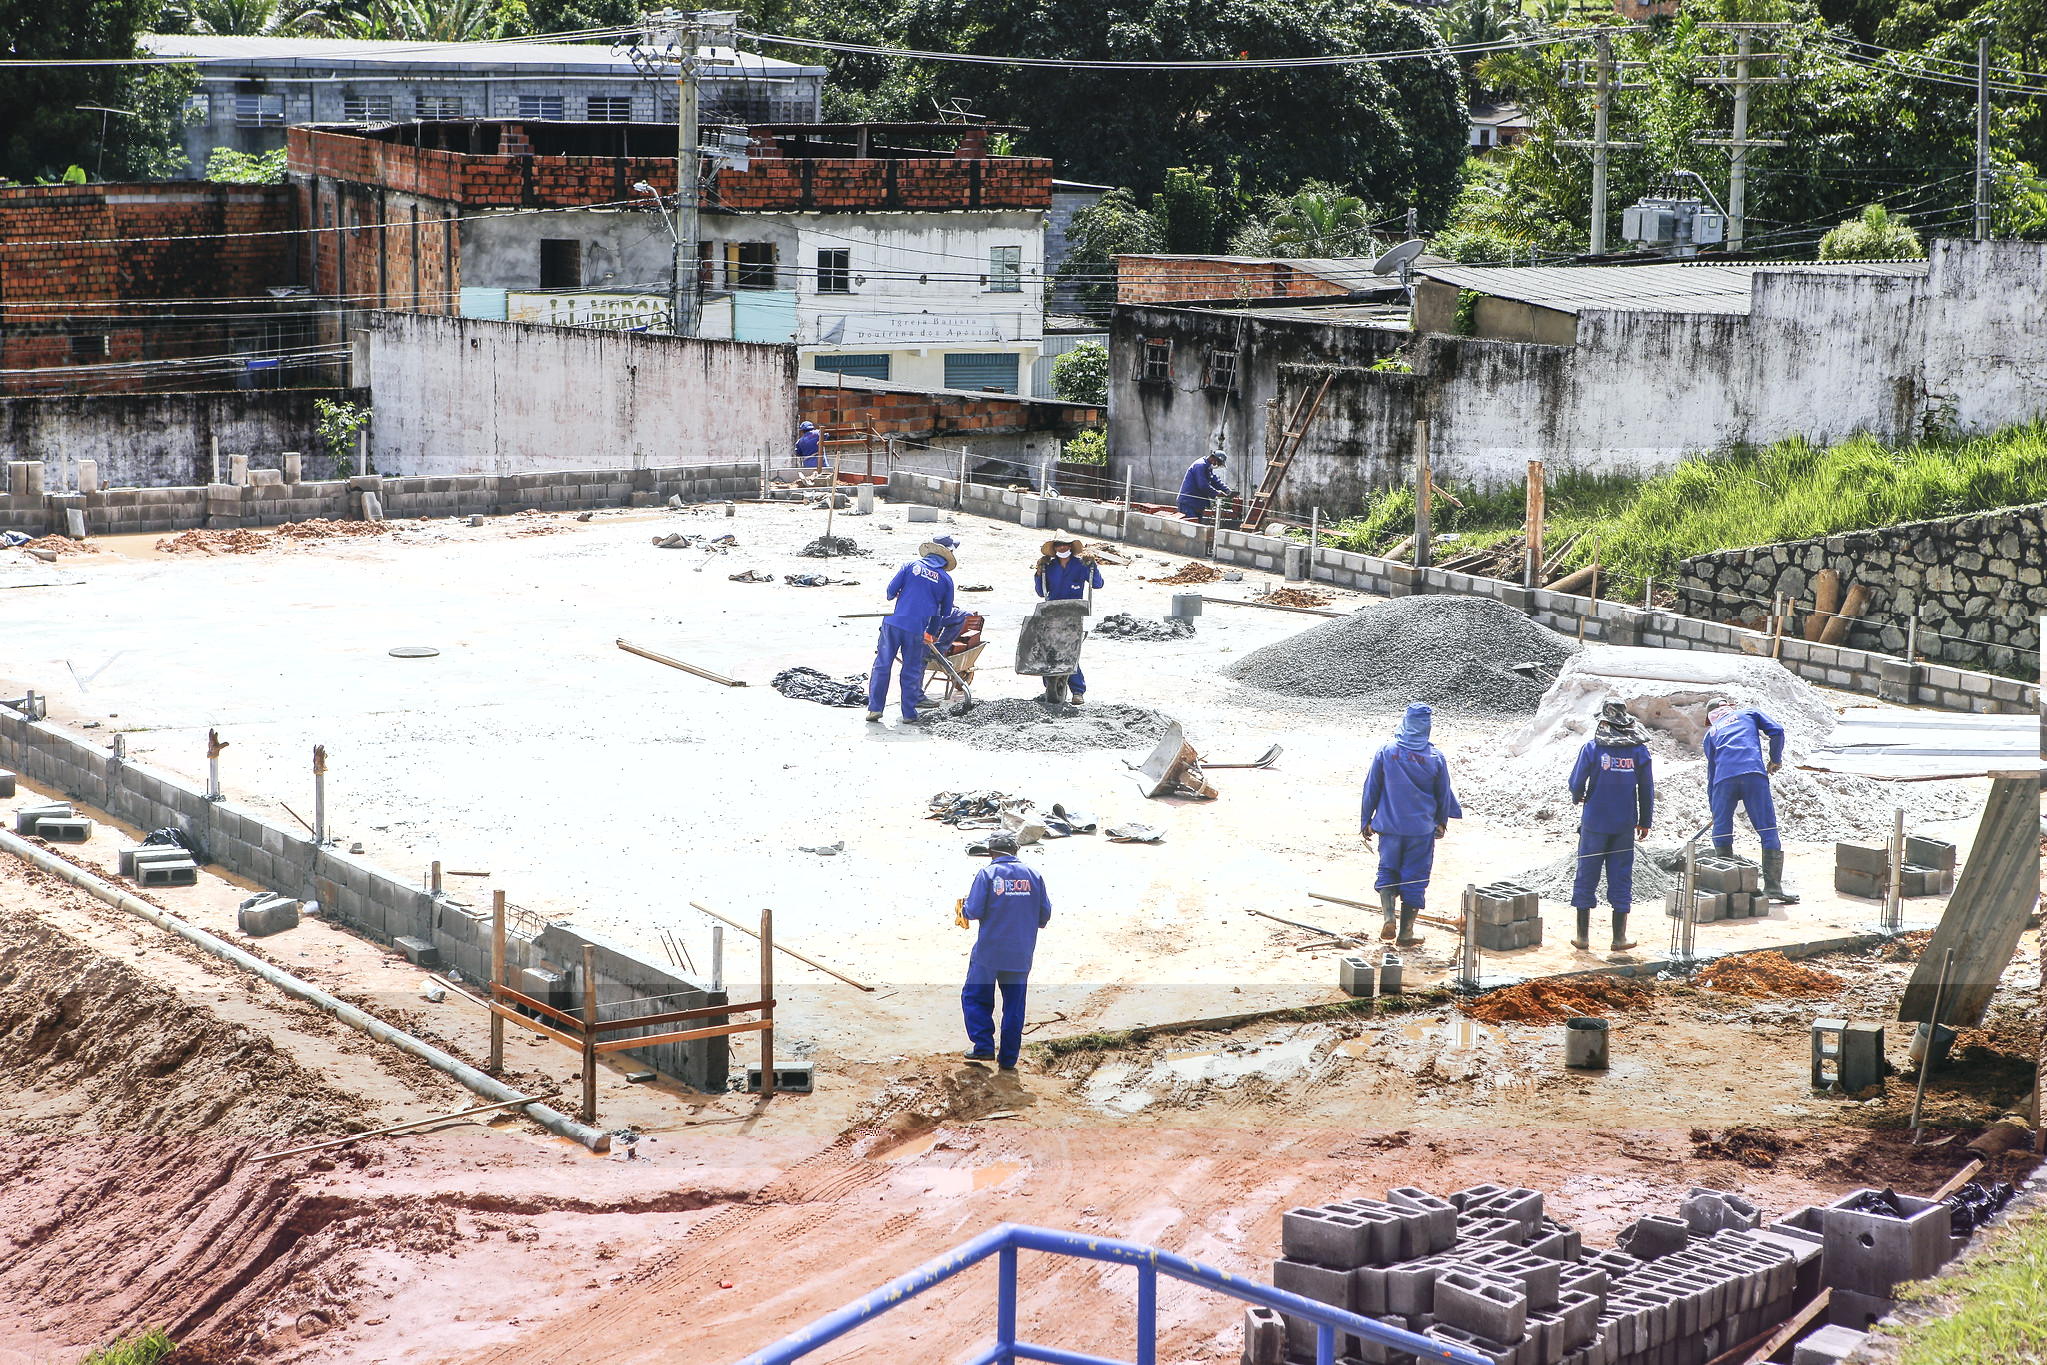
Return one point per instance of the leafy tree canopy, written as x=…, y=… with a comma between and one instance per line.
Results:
x=42, y=130
x=1875, y=236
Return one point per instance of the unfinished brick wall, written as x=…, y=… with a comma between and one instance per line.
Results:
x=1187, y=279
x=851, y=412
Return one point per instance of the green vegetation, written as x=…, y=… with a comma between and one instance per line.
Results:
x=1875, y=236
x=338, y=424
x=1186, y=212
x=1082, y=374
x=42, y=129
x=1114, y=226
x=1792, y=490
x=1993, y=1308
x=1318, y=219
x=146, y=1349
x=1089, y=447
x=245, y=168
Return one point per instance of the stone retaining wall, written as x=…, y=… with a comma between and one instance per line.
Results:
x=358, y=894
x=1848, y=669
x=1975, y=584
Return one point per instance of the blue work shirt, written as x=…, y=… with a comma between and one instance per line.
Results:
x=1408, y=792
x=1010, y=902
x=921, y=590
x=1615, y=786
x=1735, y=746
x=1202, y=482
x=1065, y=579
x=806, y=450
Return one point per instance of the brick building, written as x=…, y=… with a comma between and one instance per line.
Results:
x=105, y=287
x=898, y=252
x=1216, y=279
x=931, y=427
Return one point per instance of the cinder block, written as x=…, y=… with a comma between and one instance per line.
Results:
x=1522, y=1205
x=1482, y=1229
x=128, y=859
x=1497, y=1352
x=916, y=513
x=1654, y=1236
x=1481, y=1304
x=1368, y=1290
x=1390, y=1238
x=795, y=1077
x=1857, y=1312
x=62, y=829
x=1830, y=1345
x=1873, y=858
x=1339, y=1241
x=180, y=871
x=270, y=917
x=6, y=784
x=1411, y=1288
x=1442, y=1214
x=1937, y=853
x=1540, y=1278
x=1851, y=882
x=1708, y=1211
x=26, y=818
x=1357, y=976
x=418, y=951
x=1552, y=1239
x=1264, y=1338
x=1334, y=1287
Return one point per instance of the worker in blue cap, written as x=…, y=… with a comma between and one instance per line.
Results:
x=1009, y=901
x=808, y=440
x=1065, y=574
x=1203, y=485
x=1409, y=805
x=1612, y=780
x=922, y=592
x=1737, y=774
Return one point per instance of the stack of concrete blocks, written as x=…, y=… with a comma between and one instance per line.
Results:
x=1507, y=917
x=28, y=820
x=1934, y=861
x=1723, y=887
x=159, y=865
x=267, y=913
x=1865, y=869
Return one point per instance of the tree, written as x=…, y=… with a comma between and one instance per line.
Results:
x=1322, y=221
x=1096, y=236
x=429, y=21
x=1875, y=236
x=230, y=167
x=1082, y=374
x=41, y=128
x=249, y=18
x=1186, y=212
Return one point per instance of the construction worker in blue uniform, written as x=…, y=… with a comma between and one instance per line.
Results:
x=1065, y=574
x=1009, y=901
x=1409, y=805
x=808, y=440
x=1613, y=781
x=1202, y=485
x=922, y=592
x=1737, y=774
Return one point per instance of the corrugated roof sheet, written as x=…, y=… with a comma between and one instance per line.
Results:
x=1667, y=288
x=1918, y=746
x=349, y=52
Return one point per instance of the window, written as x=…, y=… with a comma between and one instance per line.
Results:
x=540, y=106
x=259, y=111
x=198, y=108
x=1005, y=270
x=864, y=366
x=561, y=263
x=609, y=108
x=981, y=372
x=366, y=108
x=86, y=347
x=437, y=106
x=1157, y=365
x=834, y=272
x=750, y=265
x=1222, y=370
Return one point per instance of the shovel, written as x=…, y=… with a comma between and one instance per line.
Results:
x=960, y=708
x=1264, y=760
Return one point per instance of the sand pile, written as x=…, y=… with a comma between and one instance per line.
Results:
x=63, y=545
x=1455, y=653
x=1031, y=723
x=1553, y=881
x=320, y=528
x=1761, y=975
x=1194, y=571
x=235, y=542
x=1123, y=626
x=1552, y=1000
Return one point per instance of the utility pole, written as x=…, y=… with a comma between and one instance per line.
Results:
x=1983, y=138
x=1739, y=140
x=679, y=38
x=1603, y=83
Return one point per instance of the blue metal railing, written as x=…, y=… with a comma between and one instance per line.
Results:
x=1005, y=1241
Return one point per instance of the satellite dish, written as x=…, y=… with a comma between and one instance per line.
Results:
x=1398, y=258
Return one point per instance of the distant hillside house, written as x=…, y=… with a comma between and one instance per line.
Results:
x=1498, y=125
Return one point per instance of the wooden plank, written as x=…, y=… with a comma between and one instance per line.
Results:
x=502, y=992
x=656, y=1040
x=1957, y=1180
x=1760, y=1348
x=512, y=1016
x=1986, y=916
x=678, y=1016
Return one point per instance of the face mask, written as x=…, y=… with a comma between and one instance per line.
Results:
x=1064, y=554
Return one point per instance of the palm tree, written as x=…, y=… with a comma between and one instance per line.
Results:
x=1322, y=221
x=250, y=18
x=433, y=21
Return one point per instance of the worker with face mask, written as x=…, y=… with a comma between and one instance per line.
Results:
x=1203, y=485
x=1613, y=782
x=1009, y=901
x=1065, y=574
x=922, y=592
x=1737, y=774
x=1409, y=804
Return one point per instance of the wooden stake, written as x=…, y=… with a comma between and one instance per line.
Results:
x=631, y=648
x=497, y=978
x=1531, y=527
x=1424, y=534
x=768, y=1004
x=1957, y=1180
x=589, y=1113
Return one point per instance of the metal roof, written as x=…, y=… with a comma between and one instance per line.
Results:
x=344, y=54
x=1920, y=746
x=1663, y=288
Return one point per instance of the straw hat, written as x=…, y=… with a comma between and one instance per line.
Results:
x=932, y=547
x=1049, y=546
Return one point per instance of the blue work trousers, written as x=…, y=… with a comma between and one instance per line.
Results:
x=1193, y=508
x=977, y=1003
x=904, y=649
x=1615, y=854
x=1076, y=684
x=1752, y=792
x=1405, y=861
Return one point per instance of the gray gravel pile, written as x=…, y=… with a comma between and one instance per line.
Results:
x=1031, y=723
x=1123, y=626
x=1553, y=881
x=831, y=547
x=1455, y=653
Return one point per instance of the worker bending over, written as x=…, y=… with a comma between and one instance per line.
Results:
x=1202, y=486
x=1738, y=774
x=808, y=441
x=922, y=591
x=1613, y=782
x=1409, y=804
x=1010, y=902
x=1065, y=574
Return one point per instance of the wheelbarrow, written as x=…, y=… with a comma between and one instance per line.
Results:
x=1048, y=645
x=1172, y=768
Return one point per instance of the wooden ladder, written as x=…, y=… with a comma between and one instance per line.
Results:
x=1283, y=458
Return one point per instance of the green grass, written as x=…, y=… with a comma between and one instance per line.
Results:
x=1994, y=1306
x=146, y=1349
x=1792, y=490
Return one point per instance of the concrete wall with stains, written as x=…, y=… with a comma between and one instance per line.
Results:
x=470, y=396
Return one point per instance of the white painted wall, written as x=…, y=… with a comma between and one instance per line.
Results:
x=470, y=396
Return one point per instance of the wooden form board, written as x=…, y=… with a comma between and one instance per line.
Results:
x=1998, y=888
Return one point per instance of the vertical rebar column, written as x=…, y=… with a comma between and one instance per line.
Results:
x=319, y=795
x=717, y=957
x=1600, y=100
x=214, y=745
x=589, y=1112
x=436, y=878
x=1123, y=531
x=768, y=1004
x=1423, y=533
x=497, y=978
x=1894, y=894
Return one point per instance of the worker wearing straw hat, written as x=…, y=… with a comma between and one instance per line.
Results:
x=1065, y=574
x=922, y=592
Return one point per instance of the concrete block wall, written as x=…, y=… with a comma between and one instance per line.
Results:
x=356, y=893
x=1850, y=670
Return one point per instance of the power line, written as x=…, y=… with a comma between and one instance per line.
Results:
x=1198, y=64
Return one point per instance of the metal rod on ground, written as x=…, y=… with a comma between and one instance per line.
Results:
x=768, y=1004
x=1262, y=606
x=497, y=977
x=589, y=1033
x=1932, y=1033
x=1894, y=916
x=805, y=960
x=631, y=648
x=397, y=1128
x=319, y=794
x=1436, y=920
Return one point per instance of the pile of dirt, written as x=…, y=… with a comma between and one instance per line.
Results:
x=1295, y=597
x=1036, y=725
x=1751, y=1147
x=1455, y=653
x=1123, y=626
x=807, y=684
x=549, y=529
x=1194, y=571
x=1551, y=1000
x=61, y=544
x=1761, y=975
x=832, y=547
x=235, y=542
x=320, y=528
